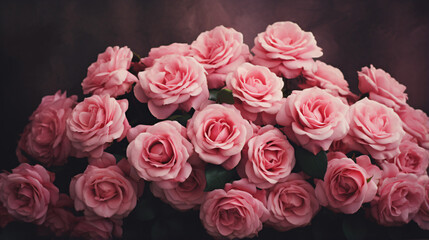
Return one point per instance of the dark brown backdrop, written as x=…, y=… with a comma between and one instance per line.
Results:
x=48, y=45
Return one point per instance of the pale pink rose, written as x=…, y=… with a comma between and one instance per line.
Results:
x=382, y=87
x=95, y=123
x=27, y=192
x=173, y=82
x=374, y=129
x=219, y=133
x=107, y=192
x=422, y=216
x=5, y=217
x=291, y=203
x=398, y=198
x=220, y=50
x=184, y=195
x=313, y=118
x=411, y=159
x=44, y=139
x=182, y=49
x=416, y=123
x=109, y=75
x=345, y=187
x=160, y=152
x=268, y=157
x=97, y=228
x=257, y=92
x=286, y=49
x=59, y=219
x=234, y=212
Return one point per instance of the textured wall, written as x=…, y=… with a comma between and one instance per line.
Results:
x=48, y=45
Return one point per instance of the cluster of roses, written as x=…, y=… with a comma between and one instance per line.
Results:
x=257, y=135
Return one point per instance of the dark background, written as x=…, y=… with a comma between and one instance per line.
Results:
x=48, y=45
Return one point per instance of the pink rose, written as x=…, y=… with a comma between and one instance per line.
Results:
x=5, y=217
x=220, y=50
x=313, y=118
x=59, y=219
x=107, y=192
x=44, y=138
x=181, y=49
x=97, y=229
x=286, y=49
x=374, y=129
x=218, y=133
x=422, y=216
x=109, y=74
x=95, y=123
x=411, y=159
x=291, y=203
x=416, y=123
x=398, y=199
x=268, y=157
x=160, y=152
x=173, y=82
x=184, y=195
x=235, y=212
x=257, y=92
x=27, y=192
x=382, y=87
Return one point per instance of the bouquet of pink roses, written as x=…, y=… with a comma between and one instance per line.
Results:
x=251, y=141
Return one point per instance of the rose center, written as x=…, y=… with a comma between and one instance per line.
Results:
x=105, y=191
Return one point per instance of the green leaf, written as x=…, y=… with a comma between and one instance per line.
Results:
x=225, y=96
x=181, y=118
x=369, y=179
x=313, y=165
x=213, y=94
x=354, y=227
x=217, y=176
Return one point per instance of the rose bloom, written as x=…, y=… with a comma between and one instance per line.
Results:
x=422, y=216
x=374, y=129
x=313, y=118
x=220, y=51
x=109, y=75
x=291, y=203
x=257, y=92
x=27, y=192
x=160, y=152
x=411, y=159
x=44, y=139
x=59, y=219
x=218, y=133
x=173, y=82
x=97, y=228
x=346, y=186
x=237, y=211
x=416, y=123
x=398, y=198
x=107, y=192
x=182, y=49
x=286, y=49
x=95, y=123
x=382, y=87
x=184, y=195
x=5, y=217
x=268, y=157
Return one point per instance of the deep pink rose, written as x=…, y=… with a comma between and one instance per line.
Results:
x=95, y=123
x=234, y=212
x=416, y=123
x=218, y=133
x=109, y=75
x=286, y=49
x=107, y=192
x=374, y=129
x=398, y=198
x=59, y=219
x=291, y=203
x=313, y=118
x=27, y=192
x=182, y=49
x=44, y=138
x=173, y=82
x=411, y=159
x=257, y=92
x=183, y=195
x=97, y=228
x=268, y=157
x=220, y=50
x=422, y=216
x=382, y=87
x=160, y=152
x=345, y=187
